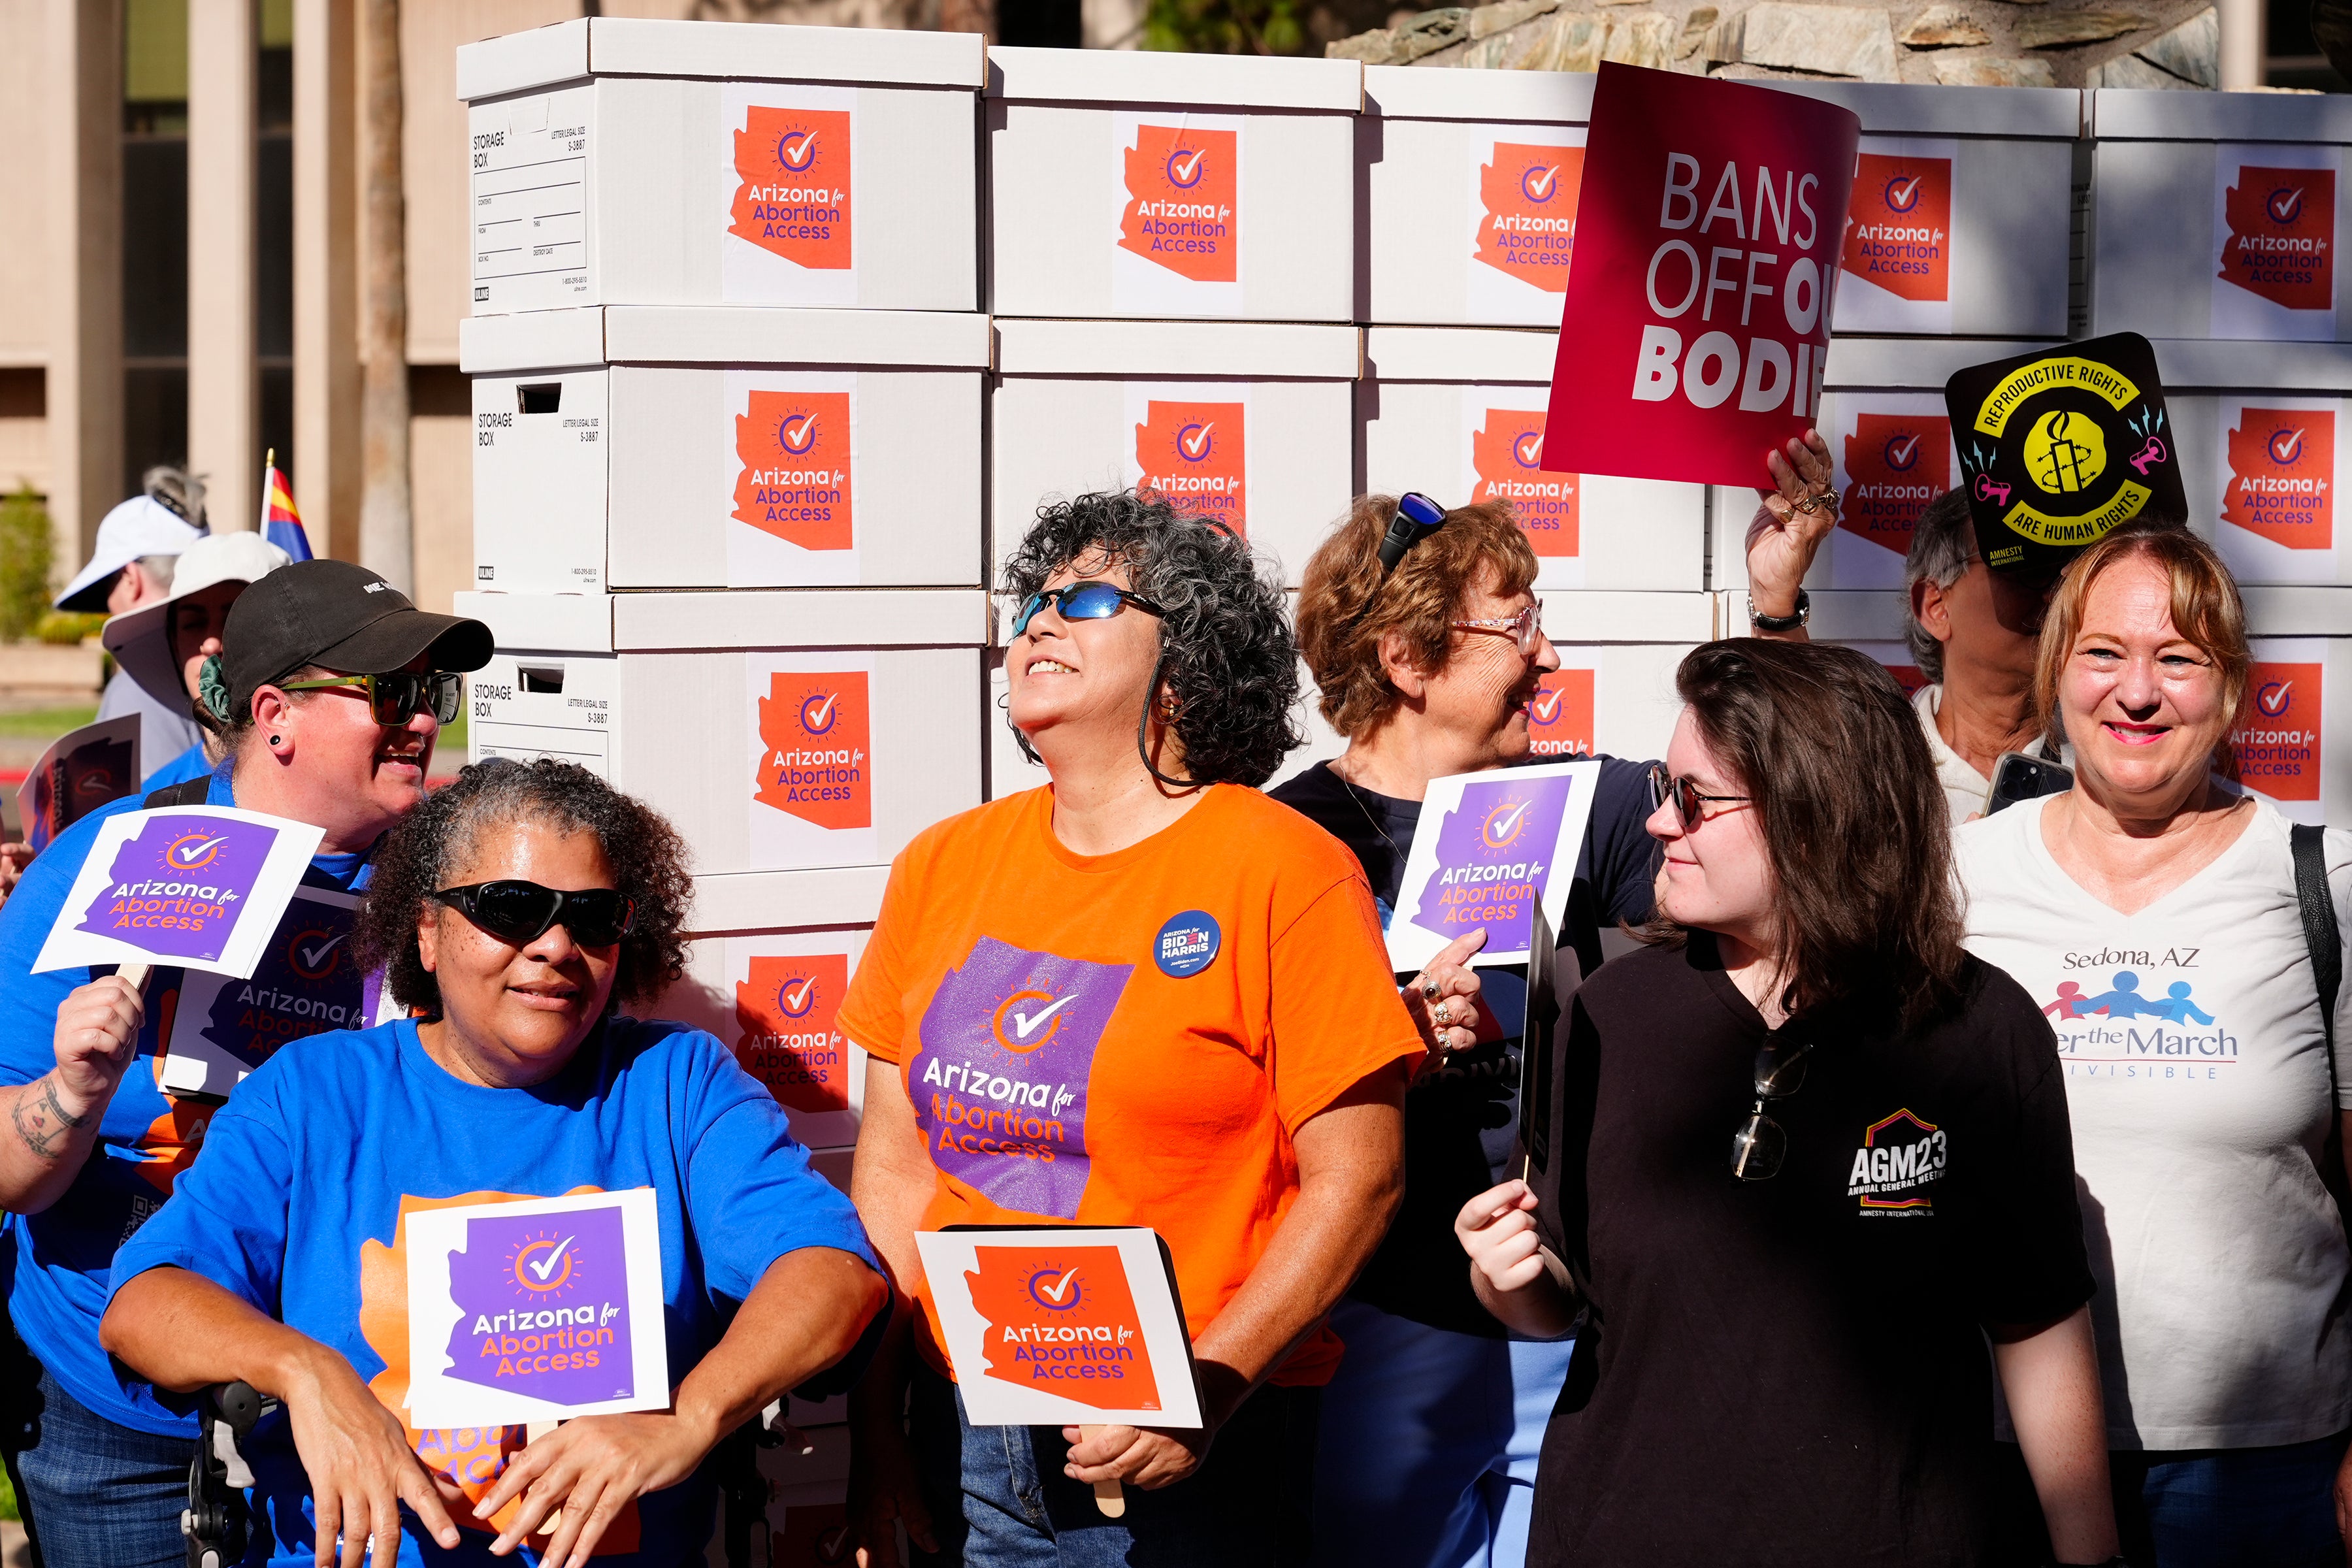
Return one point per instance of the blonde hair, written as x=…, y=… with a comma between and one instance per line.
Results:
x=1345, y=608
x=2207, y=612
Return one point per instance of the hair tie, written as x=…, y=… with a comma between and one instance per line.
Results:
x=211, y=690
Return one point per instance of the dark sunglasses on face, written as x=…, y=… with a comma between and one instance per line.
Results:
x=517, y=912
x=395, y=698
x=1088, y=601
x=1762, y=1143
x=1689, y=804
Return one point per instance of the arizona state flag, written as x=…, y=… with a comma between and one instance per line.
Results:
x=281, y=520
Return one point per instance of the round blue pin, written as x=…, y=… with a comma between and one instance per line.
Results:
x=1187, y=945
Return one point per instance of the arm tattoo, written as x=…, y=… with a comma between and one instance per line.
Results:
x=44, y=1125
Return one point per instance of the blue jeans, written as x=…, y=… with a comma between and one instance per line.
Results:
x=2230, y=1508
x=999, y=1500
x=1429, y=1441
x=103, y=1496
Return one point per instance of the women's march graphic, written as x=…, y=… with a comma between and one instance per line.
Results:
x=193, y=886
x=1488, y=849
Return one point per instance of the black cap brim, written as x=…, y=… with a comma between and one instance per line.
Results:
x=393, y=641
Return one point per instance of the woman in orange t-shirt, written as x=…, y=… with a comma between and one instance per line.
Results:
x=1144, y=994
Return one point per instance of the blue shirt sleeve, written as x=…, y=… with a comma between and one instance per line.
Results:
x=752, y=1195
x=29, y=1001
x=226, y=1217
x=1621, y=858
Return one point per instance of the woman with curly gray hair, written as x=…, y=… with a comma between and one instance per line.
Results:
x=1143, y=994
x=512, y=912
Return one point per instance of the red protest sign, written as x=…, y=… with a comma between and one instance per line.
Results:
x=1707, y=237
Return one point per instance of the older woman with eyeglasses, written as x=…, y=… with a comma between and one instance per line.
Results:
x=1192, y=976
x=1810, y=1154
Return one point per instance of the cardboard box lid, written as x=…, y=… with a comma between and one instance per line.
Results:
x=1914, y=363
x=2154, y=114
x=2004, y=113
x=800, y=617
x=623, y=46
x=531, y=340
x=2225, y=365
x=2299, y=610
x=1225, y=350
x=774, y=900
x=1200, y=81
x=1415, y=93
x=1601, y=614
x=541, y=623
x=1460, y=353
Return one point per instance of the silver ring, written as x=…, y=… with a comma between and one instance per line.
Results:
x=1428, y=989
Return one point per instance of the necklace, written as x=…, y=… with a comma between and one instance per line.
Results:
x=1349, y=784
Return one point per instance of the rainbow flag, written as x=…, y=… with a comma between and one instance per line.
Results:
x=281, y=520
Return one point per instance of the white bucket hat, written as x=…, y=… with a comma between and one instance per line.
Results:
x=139, y=526
x=141, y=641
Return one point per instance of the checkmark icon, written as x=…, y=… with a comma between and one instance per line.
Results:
x=187, y=853
x=798, y=156
x=823, y=716
x=544, y=1267
x=796, y=1000
x=314, y=956
x=797, y=435
x=1185, y=168
x=1025, y=1024
x=1538, y=184
x=1906, y=192
x=1197, y=444
x=2291, y=448
x=1060, y=1289
x=1899, y=456
x=1547, y=704
x=1505, y=828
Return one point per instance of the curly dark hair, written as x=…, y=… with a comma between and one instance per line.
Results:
x=648, y=856
x=1227, y=657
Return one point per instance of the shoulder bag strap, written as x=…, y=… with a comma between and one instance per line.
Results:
x=2324, y=941
x=188, y=792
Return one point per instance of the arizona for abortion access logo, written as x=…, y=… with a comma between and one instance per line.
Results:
x=1895, y=464
x=543, y=1306
x=2282, y=475
x=1559, y=715
x=814, y=732
x=305, y=985
x=1494, y=859
x=2282, y=239
x=1063, y=1320
x=792, y=474
x=2277, y=742
x=1182, y=187
x=1196, y=455
x=793, y=188
x=1898, y=234
x=1508, y=456
x=1528, y=229
x=784, y=1013
x=177, y=884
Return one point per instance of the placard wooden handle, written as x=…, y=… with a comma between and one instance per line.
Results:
x=135, y=975
x=1108, y=1497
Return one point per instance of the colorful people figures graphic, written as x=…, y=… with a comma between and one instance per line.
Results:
x=2125, y=1002
x=2180, y=1009
x=2070, y=1003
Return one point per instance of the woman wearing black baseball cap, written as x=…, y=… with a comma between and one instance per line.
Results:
x=330, y=691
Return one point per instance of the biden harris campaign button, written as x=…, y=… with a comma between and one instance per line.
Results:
x=1187, y=945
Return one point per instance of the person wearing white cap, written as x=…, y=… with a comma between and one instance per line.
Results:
x=163, y=645
x=139, y=543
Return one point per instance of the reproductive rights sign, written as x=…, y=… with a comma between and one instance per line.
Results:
x=1697, y=314
x=194, y=887
x=1490, y=847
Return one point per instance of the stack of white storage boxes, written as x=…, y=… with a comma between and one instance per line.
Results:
x=729, y=371
x=2214, y=226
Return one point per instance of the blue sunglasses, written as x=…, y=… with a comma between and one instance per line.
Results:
x=1088, y=601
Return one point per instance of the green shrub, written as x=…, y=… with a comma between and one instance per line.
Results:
x=1225, y=26
x=26, y=554
x=66, y=628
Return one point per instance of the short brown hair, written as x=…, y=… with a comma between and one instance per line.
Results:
x=1340, y=640
x=2206, y=610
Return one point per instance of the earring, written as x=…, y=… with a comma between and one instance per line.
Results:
x=275, y=741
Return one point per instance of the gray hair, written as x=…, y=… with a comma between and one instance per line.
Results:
x=177, y=491
x=160, y=567
x=1943, y=547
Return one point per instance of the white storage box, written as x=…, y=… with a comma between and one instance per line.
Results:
x=1459, y=413
x=549, y=689
x=1890, y=438
x=772, y=997
x=657, y=447
x=1251, y=425
x=2218, y=215
x=2290, y=747
x=1147, y=185
x=619, y=162
x=2259, y=428
x=1613, y=694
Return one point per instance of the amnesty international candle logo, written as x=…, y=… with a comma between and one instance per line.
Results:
x=999, y=1083
x=1895, y=464
x=176, y=886
x=1491, y=860
x=793, y=450
x=2276, y=743
x=1196, y=455
x=1528, y=228
x=1559, y=715
x=543, y=1306
x=1063, y=1320
x=2282, y=237
x=786, y=1012
x=1506, y=453
x=2282, y=480
x=1182, y=186
x=1898, y=234
x=815, y=733
x=305, y=985
x=792, y=192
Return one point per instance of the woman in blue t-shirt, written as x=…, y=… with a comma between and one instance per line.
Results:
x=513, y=911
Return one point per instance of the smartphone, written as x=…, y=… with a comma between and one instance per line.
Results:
x=2016, y=777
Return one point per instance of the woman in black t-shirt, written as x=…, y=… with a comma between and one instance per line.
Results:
x=1808, y=1156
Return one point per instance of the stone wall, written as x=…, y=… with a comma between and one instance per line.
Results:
x=1983, y=43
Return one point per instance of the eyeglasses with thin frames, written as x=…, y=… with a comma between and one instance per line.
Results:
x=1689, y=804
x=1526, y=628
x=1761, y=1144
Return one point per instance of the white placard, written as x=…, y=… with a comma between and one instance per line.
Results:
x=194, y=887
x=1485, y=839
x=561, y=1287
x=1027, y=1309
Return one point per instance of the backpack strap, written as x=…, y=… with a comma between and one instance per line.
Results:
x=194, y=791
x=2324, y=939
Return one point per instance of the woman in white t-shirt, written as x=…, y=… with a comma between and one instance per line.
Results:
x=2151, y=911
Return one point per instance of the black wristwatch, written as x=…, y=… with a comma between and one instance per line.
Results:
x=1780, y=622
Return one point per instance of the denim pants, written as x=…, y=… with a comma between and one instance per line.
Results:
x=2230, y=1508
x=999, y=1500
x=103, y=1496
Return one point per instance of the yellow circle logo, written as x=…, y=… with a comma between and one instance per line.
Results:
x=2066, y=452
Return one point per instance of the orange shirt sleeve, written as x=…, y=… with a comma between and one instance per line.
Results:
x=1336, y=1016
x=874, y=1013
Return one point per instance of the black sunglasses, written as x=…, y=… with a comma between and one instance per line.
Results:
x=1689, y=804
x=1762, y=1143
x=395, y=698
x=520, y=913
x=1088, y=601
